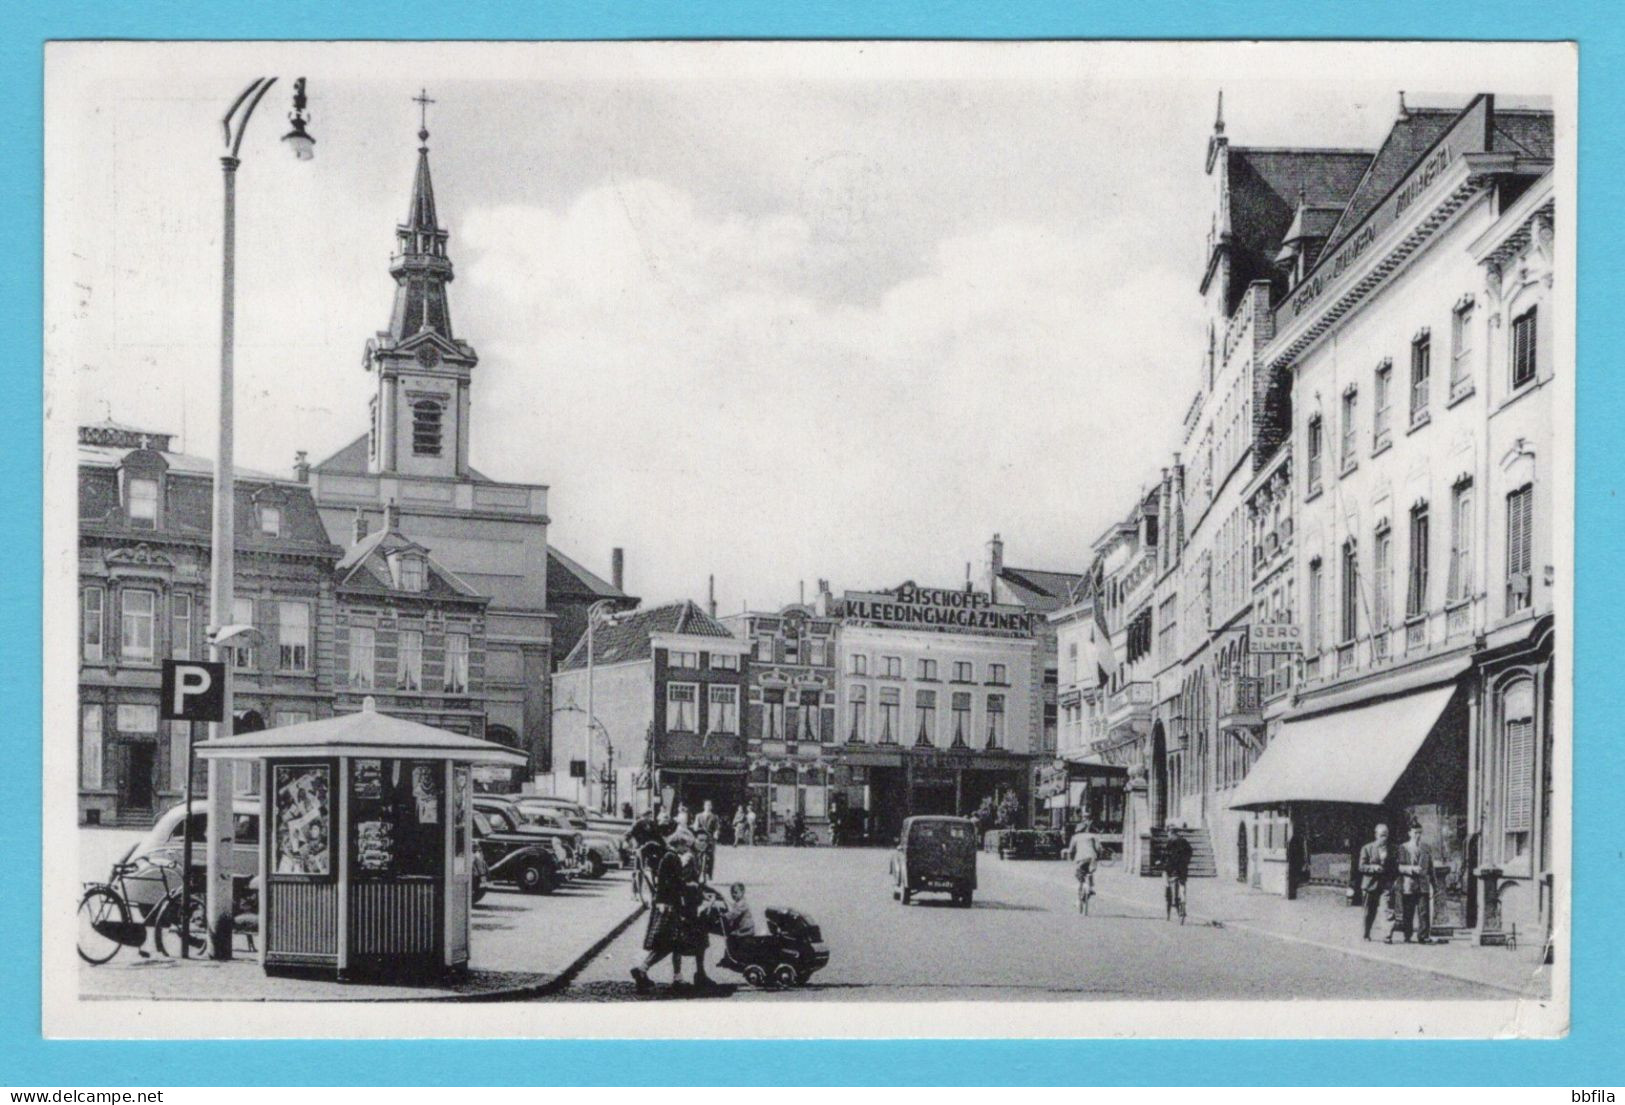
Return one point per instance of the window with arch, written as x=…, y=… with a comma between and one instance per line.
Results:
x=1517, y=764
x=427, y=416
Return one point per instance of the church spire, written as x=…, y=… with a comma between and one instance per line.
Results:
x=420, y=266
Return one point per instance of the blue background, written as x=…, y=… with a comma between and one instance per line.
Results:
x=1589, y=1056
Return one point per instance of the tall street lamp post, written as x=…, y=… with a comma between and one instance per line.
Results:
x=218, y=853
x=596, y=612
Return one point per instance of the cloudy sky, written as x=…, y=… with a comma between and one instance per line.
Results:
x=771, y=313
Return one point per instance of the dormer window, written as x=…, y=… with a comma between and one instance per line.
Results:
x=270, y=520
x=411, y=574
x=143, y=502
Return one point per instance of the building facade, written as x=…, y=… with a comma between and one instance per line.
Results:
x=491, y=535
x=144, y=542
x=790, y=722
x=1421, y=413
x=662, y=704
x=940, y=703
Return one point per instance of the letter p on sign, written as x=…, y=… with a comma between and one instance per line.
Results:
x=193, y=691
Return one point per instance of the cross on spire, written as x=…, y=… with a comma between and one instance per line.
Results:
x=423, y=102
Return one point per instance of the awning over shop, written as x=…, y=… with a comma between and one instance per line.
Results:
x=1354, y=755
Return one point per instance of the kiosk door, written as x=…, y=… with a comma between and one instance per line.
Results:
x=460, y=865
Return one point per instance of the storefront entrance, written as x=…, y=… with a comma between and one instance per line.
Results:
x=136, y=782
x=724, y=789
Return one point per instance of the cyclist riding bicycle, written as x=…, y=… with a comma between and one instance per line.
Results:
x=1176, y=868
x=1084, y=851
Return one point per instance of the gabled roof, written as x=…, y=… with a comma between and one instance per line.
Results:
x=1409, y=139
x=566, y=577
x=365, y=567
x=628, y=636
x=1037, y=589
x=350, y=460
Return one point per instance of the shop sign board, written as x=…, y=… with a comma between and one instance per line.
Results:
x=1469, y=134
x=1275, y=639
x=911, y=606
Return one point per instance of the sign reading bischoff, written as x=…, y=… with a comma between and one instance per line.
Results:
x=911, y=606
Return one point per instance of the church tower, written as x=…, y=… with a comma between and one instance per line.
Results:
x=420, y=407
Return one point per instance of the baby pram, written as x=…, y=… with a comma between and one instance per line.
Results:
x=786, y=955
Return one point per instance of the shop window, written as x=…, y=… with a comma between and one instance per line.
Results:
x=426, y=428
x=293, y=636
x=363, y=656
x=91, y=624
x=302, y=832
x=90, y=747
x=409, y=661
x=682, y=701
x=138, y=616
x=1520, y=518
x=1524, y=334
x=455, y=680
x=180, y=627
x=722, y=714
x=858, y=702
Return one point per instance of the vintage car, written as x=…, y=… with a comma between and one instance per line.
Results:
x=937, y=854
x=1030, y=844
x=506, y=817
x=523, y=860
x=165, y=840
x=601, y=848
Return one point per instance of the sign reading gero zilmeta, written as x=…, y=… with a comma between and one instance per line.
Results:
x=913, y=607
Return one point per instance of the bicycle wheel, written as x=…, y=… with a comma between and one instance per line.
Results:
x=174, y=925
x=1182, y=906
x=100, y=910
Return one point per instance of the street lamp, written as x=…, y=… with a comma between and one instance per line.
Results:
x=597, y=611
x=218, y=852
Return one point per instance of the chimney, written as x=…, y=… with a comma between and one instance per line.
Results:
x=995, y=557
x=801, y=587
x=301, y=466
x=711, y=595
x=360, y=525
x=617, y=568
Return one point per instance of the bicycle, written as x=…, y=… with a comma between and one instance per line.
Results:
x=107, y=921
x=1173, y=897
x=1086, y=888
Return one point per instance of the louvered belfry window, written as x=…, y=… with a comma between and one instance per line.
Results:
x=426, y=427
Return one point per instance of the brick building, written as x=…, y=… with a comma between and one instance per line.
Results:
x=144, y=533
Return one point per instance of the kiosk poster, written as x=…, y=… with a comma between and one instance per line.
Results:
x=374, y=846
x=369, y=779
x=303, y=823
x=426, y=792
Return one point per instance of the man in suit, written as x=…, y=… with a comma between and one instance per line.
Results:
x=1415, y=888
x=1376, y=872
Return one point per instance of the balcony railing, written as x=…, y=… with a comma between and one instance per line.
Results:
x=1241, y=701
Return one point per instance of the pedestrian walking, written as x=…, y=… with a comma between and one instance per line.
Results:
x=750, y=825
x=663, y=935
x=1377, y=864
x=739, y=826
x=1415, y=863
x=706, y=827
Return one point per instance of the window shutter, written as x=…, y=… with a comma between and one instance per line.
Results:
x=1520, y=765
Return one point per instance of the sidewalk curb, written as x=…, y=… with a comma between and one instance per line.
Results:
x=1357, y=953
x=563, y=979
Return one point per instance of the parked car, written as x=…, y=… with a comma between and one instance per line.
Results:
x=164, y=840
x=1030, y=844
x=935, y=853
x=504, y=816
x=521, y=860
x=605, y=836
x=599, y=850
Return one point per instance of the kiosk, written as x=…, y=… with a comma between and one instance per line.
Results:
x=366, y=853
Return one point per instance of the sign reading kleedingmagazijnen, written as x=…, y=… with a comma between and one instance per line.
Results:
x=914, y=607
